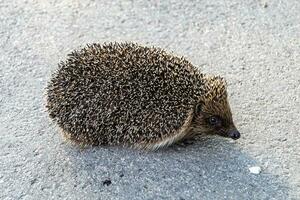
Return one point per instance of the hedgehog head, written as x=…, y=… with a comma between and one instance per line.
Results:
x=212, y=112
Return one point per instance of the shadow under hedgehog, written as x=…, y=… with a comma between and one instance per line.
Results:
x=141, y=97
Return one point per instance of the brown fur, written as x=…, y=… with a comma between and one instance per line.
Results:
x=214, y=103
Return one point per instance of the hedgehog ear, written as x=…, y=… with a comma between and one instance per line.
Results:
x=199, y=107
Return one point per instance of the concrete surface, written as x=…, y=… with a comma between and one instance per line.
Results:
x=254, y=44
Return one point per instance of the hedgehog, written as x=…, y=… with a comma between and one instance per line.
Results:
x=126, y=94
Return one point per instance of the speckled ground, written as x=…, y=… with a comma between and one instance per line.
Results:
x=254, y=44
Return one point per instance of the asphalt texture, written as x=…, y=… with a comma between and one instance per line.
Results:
x=254, y=44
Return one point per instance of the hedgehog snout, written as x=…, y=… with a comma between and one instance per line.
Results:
x=234, y=134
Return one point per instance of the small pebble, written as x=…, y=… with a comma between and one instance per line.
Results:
x=107, y=182
x=255, y=170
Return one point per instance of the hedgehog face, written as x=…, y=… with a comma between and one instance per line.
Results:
x=212, y=113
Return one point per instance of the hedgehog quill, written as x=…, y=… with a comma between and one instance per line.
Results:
x=135, y=96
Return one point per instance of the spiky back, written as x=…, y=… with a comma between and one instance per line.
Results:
x=122, y=93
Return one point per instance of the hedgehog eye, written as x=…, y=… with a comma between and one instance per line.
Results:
x=213, y=120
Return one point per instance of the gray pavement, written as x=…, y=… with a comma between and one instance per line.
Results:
x=254, y=44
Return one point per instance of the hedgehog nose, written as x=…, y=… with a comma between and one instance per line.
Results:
x=234, y=134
